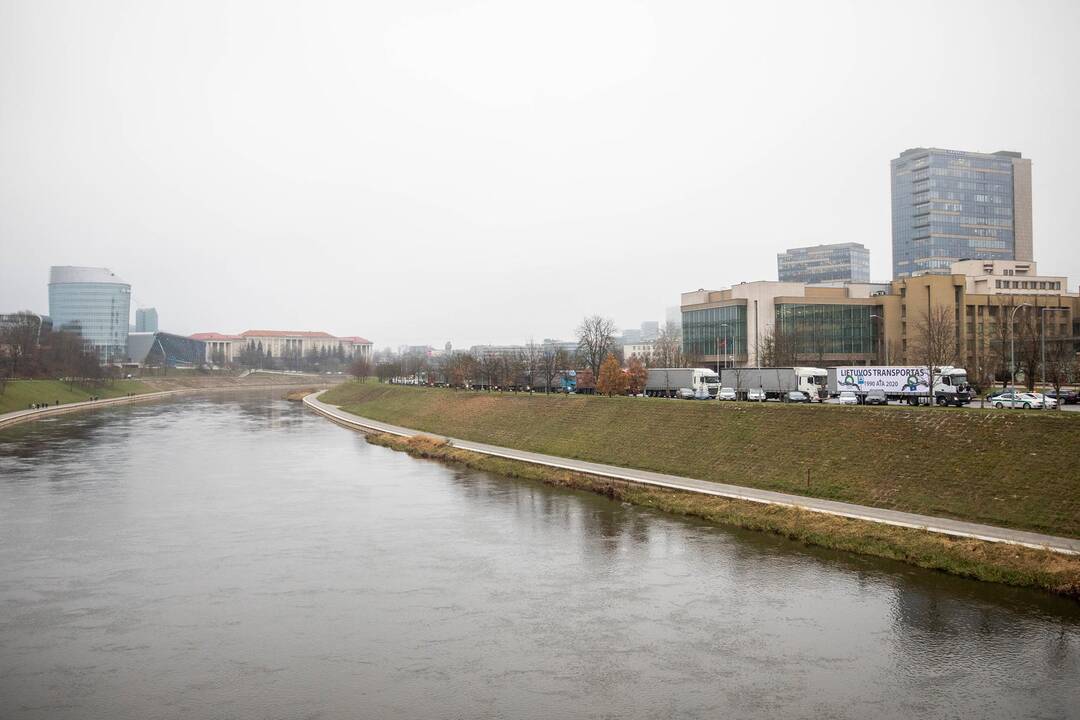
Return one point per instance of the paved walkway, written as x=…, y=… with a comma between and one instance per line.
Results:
x=945, y=526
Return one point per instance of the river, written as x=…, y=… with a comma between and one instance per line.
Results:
x=240, y=557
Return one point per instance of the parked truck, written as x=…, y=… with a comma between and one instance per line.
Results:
x=695, y=382
x=775, y=382
x=908, y=383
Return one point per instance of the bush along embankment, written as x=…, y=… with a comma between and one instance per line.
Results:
x=1008, y=468
x=993, y=562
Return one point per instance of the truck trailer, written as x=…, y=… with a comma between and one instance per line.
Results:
x=667, y=382
x=775, y=382
x=909, y=383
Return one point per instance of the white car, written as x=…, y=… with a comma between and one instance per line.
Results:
x=755, y=394
x=1026, y=401
x=726, y=393
x=849, y=398
x=1048, y=402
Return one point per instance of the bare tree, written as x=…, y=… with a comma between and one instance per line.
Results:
x=596, y=339
x=360, y=368
x=668, y=348
x=530, y=360
x=1061, y=363
x=777, y=348
x=19, y=342
x=935, y=341
x=552, y=364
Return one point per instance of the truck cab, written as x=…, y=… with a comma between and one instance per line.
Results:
x=951, y=386
x=706, y=382
x=812, y=382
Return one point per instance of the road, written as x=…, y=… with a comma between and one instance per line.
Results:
x=946, y=526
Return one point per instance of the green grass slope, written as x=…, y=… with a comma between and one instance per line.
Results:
x=1014, y=469
x=20, y=393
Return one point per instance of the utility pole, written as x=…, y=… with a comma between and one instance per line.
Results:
x=1042, y=350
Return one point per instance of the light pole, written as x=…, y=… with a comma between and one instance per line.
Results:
x=878, y=348
x=1012, y=350
x=1042, y=360
x=725, y=326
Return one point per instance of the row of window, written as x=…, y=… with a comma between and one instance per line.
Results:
x=1028, y=284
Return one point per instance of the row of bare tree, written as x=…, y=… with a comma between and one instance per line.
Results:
x=29, y=351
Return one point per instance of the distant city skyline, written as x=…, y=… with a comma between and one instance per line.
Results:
x=386, y=176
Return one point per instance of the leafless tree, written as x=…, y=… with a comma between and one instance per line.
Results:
x=531, y=360
x=19, y=343
x=552, y=364
x=777, y=348
x=1061, y=362
x=668, y=348
x=360, y=368
x=596, y=339
x=935, y=340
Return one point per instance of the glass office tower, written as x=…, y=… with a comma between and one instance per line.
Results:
x=950, y=205
x=94, y=303
x=146, y=320
x=840, y=262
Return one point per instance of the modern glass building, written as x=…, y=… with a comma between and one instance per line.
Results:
x=950, y=205
x=840, y=262
x=95, y=303
x=821, y=329
x=716, y=331
x=146, y=320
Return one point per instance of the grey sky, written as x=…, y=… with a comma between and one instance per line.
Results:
x=489, y=171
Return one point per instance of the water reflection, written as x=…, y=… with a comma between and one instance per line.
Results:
x=239, y=557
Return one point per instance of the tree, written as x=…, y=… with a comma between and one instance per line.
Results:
x=935, y=341
x=552, y=364
x=668, y=348
x=612, y=380
x=585, y=380
x=636, y=375
x=1061, y=363
x=777, y=348
x=596, y=340
x=360, y=368
x=530, y=361
x=19, y=342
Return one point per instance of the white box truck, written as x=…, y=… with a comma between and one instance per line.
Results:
x=700, y=383
x=775, y=382
x=903, y=382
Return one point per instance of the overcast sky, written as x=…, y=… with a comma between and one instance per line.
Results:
x=417, y=172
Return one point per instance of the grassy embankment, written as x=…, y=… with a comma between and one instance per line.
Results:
x=954, y=463
x=18, y=394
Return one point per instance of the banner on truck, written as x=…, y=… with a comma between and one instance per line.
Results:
x=893, y=380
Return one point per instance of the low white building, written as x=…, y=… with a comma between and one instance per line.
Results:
x=278, y=343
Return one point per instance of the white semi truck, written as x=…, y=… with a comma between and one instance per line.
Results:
x=775, y=382
x=903, y=382
x=667, y=382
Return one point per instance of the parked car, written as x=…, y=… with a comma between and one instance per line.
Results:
x=795, y=396
x=726, y=393
x=755, y=395
x=1065, y=397
x=1047, y=401
x=848, y=398
x=1026, y=401
x=876, y=397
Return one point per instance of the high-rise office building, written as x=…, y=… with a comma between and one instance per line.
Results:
x=840, y=262
x=95, y=303
x=146, y=320
x=950, y=205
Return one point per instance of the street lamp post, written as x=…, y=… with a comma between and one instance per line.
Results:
x=1042, y=360
x=878, y=348
x=725, y=326
x=1012, y=350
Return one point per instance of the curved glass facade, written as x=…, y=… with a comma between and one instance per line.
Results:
x=94, y=303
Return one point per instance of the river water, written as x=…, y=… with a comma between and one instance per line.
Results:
x=240, y=557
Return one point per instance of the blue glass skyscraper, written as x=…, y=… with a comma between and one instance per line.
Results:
x=950, y=205
x=94, y=303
